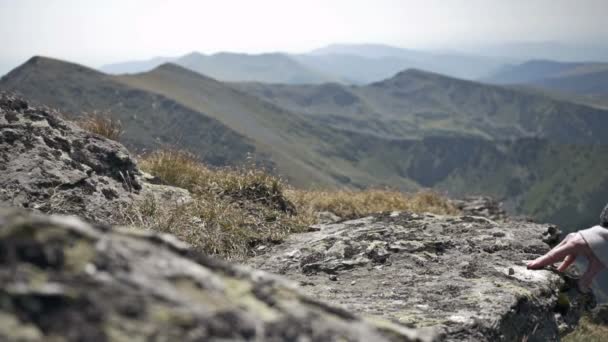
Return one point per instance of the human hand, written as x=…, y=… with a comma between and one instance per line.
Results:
x=572, y=246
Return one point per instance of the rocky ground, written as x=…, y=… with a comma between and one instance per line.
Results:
x=463, y=276
x=481, y=206
x=65, y=280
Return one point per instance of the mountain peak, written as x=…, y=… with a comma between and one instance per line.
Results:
x=169, y=66
x=50, y=66
x=413, y=72
x=417, y=77
x=43, y=60
x=176, y=69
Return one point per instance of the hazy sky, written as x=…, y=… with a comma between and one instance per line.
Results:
x=104, y=31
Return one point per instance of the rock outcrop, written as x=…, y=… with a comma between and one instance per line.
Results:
x=51, y=165
x=462, y=276
x=481, y=206
x=65, y=280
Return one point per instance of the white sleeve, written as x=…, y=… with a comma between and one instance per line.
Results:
x=597, y=238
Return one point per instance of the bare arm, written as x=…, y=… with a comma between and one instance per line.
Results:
x=591, y=243
x=575, y=245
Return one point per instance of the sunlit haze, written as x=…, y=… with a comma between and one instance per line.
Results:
x=99, y=32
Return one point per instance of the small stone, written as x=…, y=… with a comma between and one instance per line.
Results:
x=90, y=269
x=353, y=282
x=511, y=271
x=333, y=277
x=294, y=254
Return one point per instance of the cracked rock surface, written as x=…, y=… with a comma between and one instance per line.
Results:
x=51, y=165
x=462, y=276
x=64, y=280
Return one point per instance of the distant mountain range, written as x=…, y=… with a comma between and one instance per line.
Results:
x=358, y=64
x=546, y=50
x=545, y=157
x=583, y=82
x=151, y=121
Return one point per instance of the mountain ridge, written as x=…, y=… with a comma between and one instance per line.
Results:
x=344, y=63
x=76, y=89
x=448, y=134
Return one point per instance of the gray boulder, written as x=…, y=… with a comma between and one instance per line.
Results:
x=53, y=166
x=64, y=280
x=463, y=277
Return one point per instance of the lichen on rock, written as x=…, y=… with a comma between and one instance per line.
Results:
x=53, y=166
x=463, y=276
x=64, y=279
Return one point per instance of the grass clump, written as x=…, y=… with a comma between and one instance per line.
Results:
x=102, y=124
x=352, y=204
x=234, y=210
x=183, y=170
x=587, y=331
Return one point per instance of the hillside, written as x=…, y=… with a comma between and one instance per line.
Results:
x=501, y=141
x=415, y=103
x=590, y=83
x=581, y=82
x=306, y=153
x=415, y=130
x=291, y=141
x=398, y=139
x=150, y=120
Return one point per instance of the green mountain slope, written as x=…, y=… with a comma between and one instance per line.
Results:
x=290, y=139
x=151, y=121
x=592, y=83
x=414, y=104
x=538, y=70
x=544, y=157
x=585, y=83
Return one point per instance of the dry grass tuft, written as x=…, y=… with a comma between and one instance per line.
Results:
x=102, y=124
x=353, y=204
x=236, y=210
x=233, y=211
x=183, y=170
x=587, y=331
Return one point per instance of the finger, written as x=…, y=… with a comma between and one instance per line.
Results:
x=556, y=254
x=567, y=262
x=535, y=263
